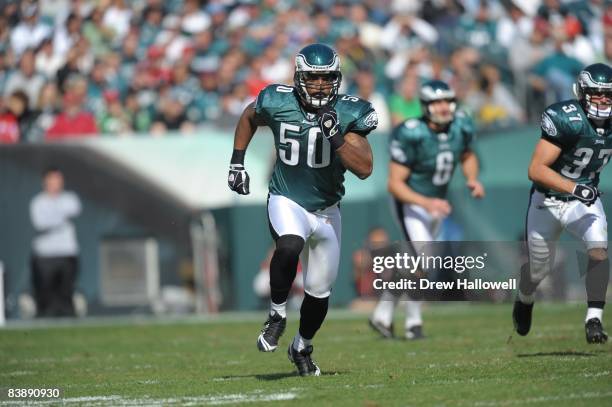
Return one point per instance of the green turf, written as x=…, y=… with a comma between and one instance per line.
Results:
x=467, y=359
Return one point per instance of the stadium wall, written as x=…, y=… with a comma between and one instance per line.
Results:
x=126, y=189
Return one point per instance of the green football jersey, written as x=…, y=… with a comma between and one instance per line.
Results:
x=307, y=170
x=585, y=150
x=431, y=156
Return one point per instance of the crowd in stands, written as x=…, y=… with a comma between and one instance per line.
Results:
x=117, y=67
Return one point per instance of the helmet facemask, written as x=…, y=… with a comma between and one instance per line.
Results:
x=317, y=88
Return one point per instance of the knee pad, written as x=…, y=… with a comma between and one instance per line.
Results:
x=288, y=249
x=283, y=266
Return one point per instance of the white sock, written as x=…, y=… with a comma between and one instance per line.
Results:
x=594, y=313
x=281, y=309
x=300, y=343
x=526, y=299
x=383, y=312
x=413, y=313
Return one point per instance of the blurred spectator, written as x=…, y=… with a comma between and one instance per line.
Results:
x=555, y=74
x=25, y=78
x=30, y=32
x=48, y=62
x=575, y=44
x=97, y=34
x=404, y=104
x=10, y=115
x=376, y=244
x=171, y=116
x=403, y=35
x=492, y=103
x=117, y=18
x=366, y=89
x=514, y=26
x=140, y=119
x=73, y=121
x=45, y=111
x=115, y=120
x=67, y=35
x=55, y=248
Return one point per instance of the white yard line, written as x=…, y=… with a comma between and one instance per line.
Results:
x=115, y=400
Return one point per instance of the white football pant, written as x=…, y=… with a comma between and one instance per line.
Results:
x=321, y=231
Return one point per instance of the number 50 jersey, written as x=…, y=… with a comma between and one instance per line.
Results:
x=431, y=157
x=584, y=150
x=307, y=170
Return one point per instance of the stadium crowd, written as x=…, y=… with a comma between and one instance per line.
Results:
x=116, y=67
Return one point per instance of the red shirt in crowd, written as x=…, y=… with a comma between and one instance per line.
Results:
x=9, y=128
x=82, y=124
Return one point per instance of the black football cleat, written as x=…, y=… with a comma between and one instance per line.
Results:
x=303, y=362
x=594, y=331
x=414, y=332
x=385, y=331
x=274, y=327
x=521, y=316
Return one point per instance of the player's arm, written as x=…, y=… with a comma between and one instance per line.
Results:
x=396, y=184
x=471, y=169
x=238, y=178
x=544, y=155
x=356, y=155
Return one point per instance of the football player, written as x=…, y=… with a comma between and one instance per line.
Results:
x=424, y=153
x=318, y=135
x=574, y=147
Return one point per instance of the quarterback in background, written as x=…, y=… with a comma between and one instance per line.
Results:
x=565, y=167
x=318, y=135
x=424, y=153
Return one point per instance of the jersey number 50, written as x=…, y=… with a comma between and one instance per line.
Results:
x=290, y=154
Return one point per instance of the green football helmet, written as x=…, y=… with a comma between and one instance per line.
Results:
x=432, y=91
x=311, y=63
x=595, y=81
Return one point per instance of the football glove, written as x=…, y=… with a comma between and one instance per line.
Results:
x=238, y=179
x=587, y=194
x=330, y=126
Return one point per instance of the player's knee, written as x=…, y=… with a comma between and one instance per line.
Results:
x=321, y=291
x=598, y=254
x=288, y=248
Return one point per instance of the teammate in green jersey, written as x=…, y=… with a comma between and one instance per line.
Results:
x=318, y=135
x=575, y=146
x=424, y=154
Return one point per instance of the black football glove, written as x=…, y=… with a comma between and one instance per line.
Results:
x=330, y=127
x=587, y=194
x=238, y=179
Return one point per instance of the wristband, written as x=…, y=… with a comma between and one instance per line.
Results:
x=238, y=157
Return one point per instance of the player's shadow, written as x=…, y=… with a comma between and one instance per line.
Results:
x=557, y=353
x=273, y=376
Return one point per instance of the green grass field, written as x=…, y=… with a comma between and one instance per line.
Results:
x=468, y=359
